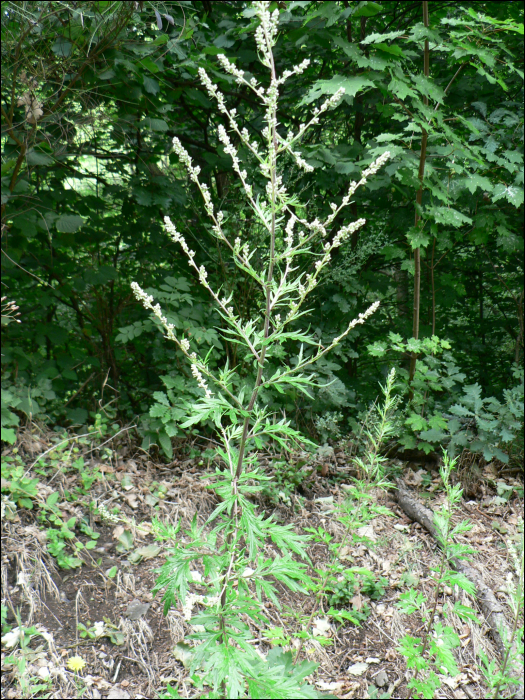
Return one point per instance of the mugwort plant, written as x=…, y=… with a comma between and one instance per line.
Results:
x=232, y=554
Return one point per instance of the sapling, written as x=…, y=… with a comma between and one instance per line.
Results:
x=233, y=553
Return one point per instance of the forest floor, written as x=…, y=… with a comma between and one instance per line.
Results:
x=131, y=650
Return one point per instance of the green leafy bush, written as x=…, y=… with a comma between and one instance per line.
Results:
x=23, y=398
x=352, y=583
x=487, y=425
x=289, y=475
x=440, y=411
x=168, y=412
x=328, y=425
x=16, y=486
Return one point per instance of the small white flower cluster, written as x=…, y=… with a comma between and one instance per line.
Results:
x=346, y=231
x=276, y=187
x=194, y=174
x=286, y=143
x=264, y=167
x=147, y=301
x=200, y=379
x=231, y=68
x=301, y=163
x=376, y=165
x=296, y=70
x=196, y=366
x=373, y=168
x=328, y=104
x=272, y=98
x=229, y=148
x=311, y=281
x=213, y=91
x=253, y=145
x=192, y=598
x=202, y=272
x=179, y=238
x=289, y=230
x=316, y=227
x=356, y=321
x=208, y=204
x=216, y=228
x=10, y=310
x=242, y=251
x=362, y=317
x=106, y=515
x=299, y=160
x=266, y=32
x=341, y=235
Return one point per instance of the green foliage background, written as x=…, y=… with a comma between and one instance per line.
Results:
x=86, y=183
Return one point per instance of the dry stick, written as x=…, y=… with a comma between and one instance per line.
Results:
x=492, y=609
x=77, y=392
x=75, y=437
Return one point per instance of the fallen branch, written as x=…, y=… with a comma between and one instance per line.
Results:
x=490, y=606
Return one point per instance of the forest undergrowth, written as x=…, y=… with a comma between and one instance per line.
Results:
x=79, y=617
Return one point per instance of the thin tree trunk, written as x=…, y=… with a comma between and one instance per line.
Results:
x=419, y=200
x=481, y=314
x=519, y=340
x=433, y=285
